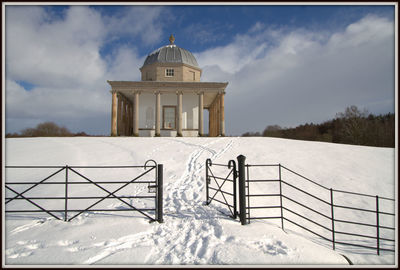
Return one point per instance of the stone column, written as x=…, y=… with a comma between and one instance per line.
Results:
x=222, y=108
x=212, y=120
x=158, y=113
x=114, y=108
x=179, y=129
x=119, y=115
x=201, y=105
x=129, y=119
x=209, y=121
x=124, y=117
x=217, y=117
x=136, y=115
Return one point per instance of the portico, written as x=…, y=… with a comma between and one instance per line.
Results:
x=167, y=107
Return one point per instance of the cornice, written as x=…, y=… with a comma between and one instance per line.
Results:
x=149, y=84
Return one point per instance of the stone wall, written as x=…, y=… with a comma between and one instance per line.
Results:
x=182, y=72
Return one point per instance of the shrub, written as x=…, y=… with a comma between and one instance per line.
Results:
x=47, y=129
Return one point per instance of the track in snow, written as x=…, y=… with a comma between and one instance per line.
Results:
x=190, y=229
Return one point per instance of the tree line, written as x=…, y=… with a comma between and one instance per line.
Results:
x=352, y=126
x=46, y=129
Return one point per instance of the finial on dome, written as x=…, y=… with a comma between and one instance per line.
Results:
x=171, y=39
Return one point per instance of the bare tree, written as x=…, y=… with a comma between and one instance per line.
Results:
x=272, y=131
x=354, y=125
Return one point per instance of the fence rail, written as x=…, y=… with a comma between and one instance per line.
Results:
x=334, y=205
x=155, y=186
x=293, y=210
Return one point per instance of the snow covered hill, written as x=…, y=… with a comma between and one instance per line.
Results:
x=192, y=233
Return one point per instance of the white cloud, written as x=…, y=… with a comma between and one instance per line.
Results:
x=304, y=76
x=42, y=100
x=204, y=32
x=124, y=64
x=232, y=57
x=369, y=30
x=257, y=27
x=61, y=57
x=54, y=54
x=144, y=22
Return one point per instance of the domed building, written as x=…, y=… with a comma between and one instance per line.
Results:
x=169, y=100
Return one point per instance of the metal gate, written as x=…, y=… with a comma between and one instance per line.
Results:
x=222, y=189
x=278, y=193
x=72, y=187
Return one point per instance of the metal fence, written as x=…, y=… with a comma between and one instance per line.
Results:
x=64, y=180
x=296, y=200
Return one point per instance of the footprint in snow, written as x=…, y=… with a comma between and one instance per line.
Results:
x=64, y=243
x=273, y=247
x=74, y=249
x=23, y=249
x=11, y=254
x=30, y=244
x=203, y=248
x=230, y=239
x=33, y=246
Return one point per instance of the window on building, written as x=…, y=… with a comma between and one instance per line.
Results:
x=169, y=117
x=169, y=72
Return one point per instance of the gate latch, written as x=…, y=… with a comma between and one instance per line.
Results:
x=152, y=189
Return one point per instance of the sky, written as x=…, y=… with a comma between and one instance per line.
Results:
x=286, y=65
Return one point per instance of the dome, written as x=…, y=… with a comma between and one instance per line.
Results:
x=171, y=54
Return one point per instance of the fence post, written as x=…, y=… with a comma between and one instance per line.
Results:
x=242, y=189
x=66, y=194
x=159, y=195
x=377, y=224
x=280, y=194
x=208, y=163
x=333, y=220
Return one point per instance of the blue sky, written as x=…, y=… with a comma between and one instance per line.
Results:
x=218, y=25
x=287, y=65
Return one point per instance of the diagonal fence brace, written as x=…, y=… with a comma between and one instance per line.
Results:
x=111, y=193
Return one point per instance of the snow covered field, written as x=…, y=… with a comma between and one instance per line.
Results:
x=192, y=233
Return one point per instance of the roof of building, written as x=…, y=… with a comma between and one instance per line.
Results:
x=171, y=54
